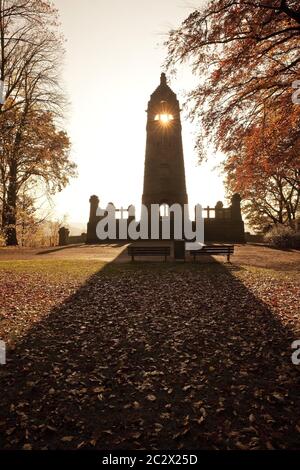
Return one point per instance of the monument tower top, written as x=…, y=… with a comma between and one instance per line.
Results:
x=164, y=176
x=163, y=79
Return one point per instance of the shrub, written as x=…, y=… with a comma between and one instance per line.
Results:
x=296, y=240
x=281, y=236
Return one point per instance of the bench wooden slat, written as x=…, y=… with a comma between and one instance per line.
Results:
x=214, y=250
x=146, y=249
x=149, y=251
x=204, y=250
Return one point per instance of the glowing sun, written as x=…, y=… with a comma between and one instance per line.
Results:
x=164, y=118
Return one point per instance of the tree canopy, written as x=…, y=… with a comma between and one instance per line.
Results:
x=34, y=149
x=246, y=56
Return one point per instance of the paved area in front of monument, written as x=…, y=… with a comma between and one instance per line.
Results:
x=249, y=255
x=148, y=355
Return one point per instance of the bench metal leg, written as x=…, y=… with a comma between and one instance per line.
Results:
x=132, y=257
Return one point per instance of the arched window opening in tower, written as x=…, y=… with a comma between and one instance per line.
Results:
x=164, y=118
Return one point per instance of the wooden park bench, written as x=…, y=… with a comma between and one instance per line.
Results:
x=148, y=251
x=225, y=250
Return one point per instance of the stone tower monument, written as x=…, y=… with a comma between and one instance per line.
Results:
x=164, y=180
x=164, y=175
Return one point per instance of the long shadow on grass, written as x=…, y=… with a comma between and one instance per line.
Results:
x=154, y=356
x=60, y=248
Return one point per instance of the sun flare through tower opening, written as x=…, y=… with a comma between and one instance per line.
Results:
x=164, y=118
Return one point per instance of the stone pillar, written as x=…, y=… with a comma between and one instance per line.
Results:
x=63, y=236
x=179, y=250
x=91, y=226
x=219, y=210
x=94, y=203
x=236, y=214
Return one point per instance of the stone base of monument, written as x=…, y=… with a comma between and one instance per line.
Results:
x=179, y=250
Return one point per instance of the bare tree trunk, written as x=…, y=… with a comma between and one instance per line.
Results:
x=11, y=207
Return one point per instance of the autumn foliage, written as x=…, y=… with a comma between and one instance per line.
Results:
x=34, y=148
x=246, y=56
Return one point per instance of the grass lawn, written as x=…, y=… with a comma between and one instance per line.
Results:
x=148, y=355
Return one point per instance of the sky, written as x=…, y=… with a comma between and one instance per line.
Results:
x=114, y=58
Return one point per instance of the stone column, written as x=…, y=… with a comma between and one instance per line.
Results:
x=219, y=210
x=94, y=203
x=91, y=226
x=63, y=236
x=236, y=207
